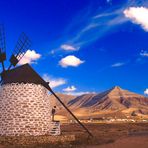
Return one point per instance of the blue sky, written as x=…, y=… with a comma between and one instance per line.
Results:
x=82, y=46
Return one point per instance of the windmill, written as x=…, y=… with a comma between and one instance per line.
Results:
x=2, y=46
x=24, y=103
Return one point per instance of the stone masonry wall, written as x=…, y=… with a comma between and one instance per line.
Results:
x=24, y=110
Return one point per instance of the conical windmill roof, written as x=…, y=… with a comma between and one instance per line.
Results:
x=23, y=74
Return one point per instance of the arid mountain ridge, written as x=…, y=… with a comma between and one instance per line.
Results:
x=115, y=102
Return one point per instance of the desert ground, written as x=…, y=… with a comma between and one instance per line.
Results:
x=106, y=135
x=113, y=135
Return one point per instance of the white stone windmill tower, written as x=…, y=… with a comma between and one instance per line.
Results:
x=24, y=102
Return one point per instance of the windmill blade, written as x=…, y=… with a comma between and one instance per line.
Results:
x=2, y=46
x=89, y=133
x=22, y=45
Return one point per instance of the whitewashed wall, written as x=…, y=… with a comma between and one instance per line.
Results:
x=24, y=110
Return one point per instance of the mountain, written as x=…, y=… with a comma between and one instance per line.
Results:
x=65, y=98
x=115, y=101
x=115, y=98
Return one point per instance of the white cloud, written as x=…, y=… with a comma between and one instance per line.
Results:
x=144, y=53
x=90, y=27
x=30, y=57
x=69, y=47
x=54, y=82
x=117, y=64
x=80, y=93
x=70, y=60
x=146, y=92
x=138, y=15
x=70, y=89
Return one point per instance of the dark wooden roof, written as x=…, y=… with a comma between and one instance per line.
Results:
x=23, y=74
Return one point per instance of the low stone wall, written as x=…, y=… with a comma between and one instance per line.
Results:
x=36, y=140
x=24, y=110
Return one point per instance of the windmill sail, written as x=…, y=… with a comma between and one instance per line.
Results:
x=2, y=46
x=23, y=44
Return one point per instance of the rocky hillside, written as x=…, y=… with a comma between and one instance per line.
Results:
x=115, y=102
x=64, y=98
x=113, y=99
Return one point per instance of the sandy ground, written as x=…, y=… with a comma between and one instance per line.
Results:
x=128, y=142
x=118, y=135
x=126, y=135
